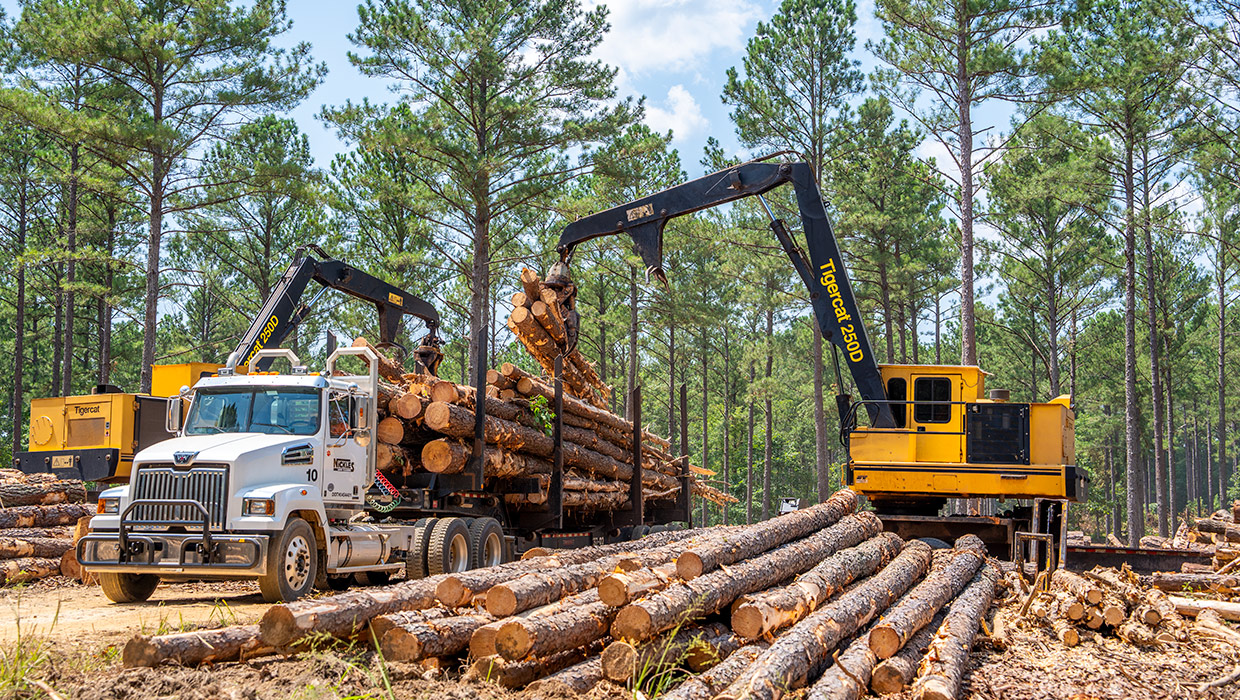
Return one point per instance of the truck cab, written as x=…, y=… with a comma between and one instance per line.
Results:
x=265, y=479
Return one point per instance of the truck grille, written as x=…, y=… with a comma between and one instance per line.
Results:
x=204, y=483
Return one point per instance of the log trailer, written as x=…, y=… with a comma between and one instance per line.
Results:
x=933, y=432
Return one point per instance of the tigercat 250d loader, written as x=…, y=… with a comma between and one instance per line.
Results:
x=933, y=432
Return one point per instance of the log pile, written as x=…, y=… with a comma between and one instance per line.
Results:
x=1219, y=535
x=39, y=514
x=818, y=599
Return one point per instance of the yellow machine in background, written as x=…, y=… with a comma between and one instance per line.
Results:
x=951, y=442
x=94, y=437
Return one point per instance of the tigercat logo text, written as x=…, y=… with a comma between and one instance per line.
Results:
x=83, y=410
x=263, y=337
x=842, y=317
x=640, y=212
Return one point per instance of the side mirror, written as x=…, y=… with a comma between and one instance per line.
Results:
x=176, y=412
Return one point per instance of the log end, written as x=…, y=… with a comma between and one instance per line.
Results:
x=613, y=590
x=438, y=415
x=399, y=645
x=1113, y=615
x=450, y=591
x=935, y=688
x=748, y=621
x=632, y=622
x=1075, y=610
x=1093, y=596
x=278, y=628
x=884, y=642
x=482, y=642
x=140, y=651
x=513, y=641
x=1151, y=617
x=535, y=552
x=501, y=601
x=689, y=566
x=619, y=661
x=886, y=680
x=438, y=457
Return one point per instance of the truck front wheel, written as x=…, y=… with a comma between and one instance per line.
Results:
x=128, y=588
x=292, y=563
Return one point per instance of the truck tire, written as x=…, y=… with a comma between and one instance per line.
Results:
x=415, y=558
x=640, y=531
x=128, y=588
x=449, y=551
x=486, y=543
x=292, y=563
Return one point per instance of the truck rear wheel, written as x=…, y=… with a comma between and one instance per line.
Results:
x=128, y=588
x=486, y=542
x=449, y=548
x=292, y=562
x=415, y=558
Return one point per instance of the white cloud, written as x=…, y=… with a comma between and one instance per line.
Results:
x=680, y=113
x=650, y=36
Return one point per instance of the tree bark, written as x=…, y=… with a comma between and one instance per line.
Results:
x=575, y=680
x=571, y=628
x=446, y=636
x=623, y=660
x=345, y=614
x=19, y=320
x=195, y=648
x=964, y=106
x=895, y=673
x=1132, y=438
x=43, y=547
x=451, y=456
x=765, y=536
x=713, y=591
x=24, y=569
x=804, y=650
x=764, y=613
x=749, y=456
x=44, y=516
x=769, y=455
x=822, y=443
x=709, y=684
x=619, y=589
x=1230, y=532
x=849, y=677
x=1193, y=607
x=41, y=494
x=948, y=655
x=515, y=675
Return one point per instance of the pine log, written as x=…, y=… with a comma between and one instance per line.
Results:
x=195, y=648
x=1122, y=583
x=551, y=324
x=893, y=674
x=515, y=675
x=623, y=661
x=452, y=455
x=948, y=655
x=345, y=614
x=575, y=680
x=714, y=681
x=1227, y=584
x=407, y=406
x=531, y=285
x=1212, y=625
x=1229, y=531
x=445, y=636
x=705, y=656
x=393, y=457
x=710, y=593
x=44, y=516
x=919, y=607
x=45, y=547
x=389, y=368
x=41, y=494
x=61, y=532
x=571, y=627
x=1136, y=632
x=1193, y=607
x=849, y=676
x=583, y=500
x=1078, y=585
x=621, y=588
x=25, y=569
x=763, y=613
x=497, y=379
x=767, y=535
x=383, y=624
x=391, y=430
x=804, y=650
x=1065, y=632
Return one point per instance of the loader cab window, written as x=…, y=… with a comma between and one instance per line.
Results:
x=932, y=389
x=897, y=390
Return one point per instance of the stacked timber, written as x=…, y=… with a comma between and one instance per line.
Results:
x=1220, y=536
x=39, y=514
x=819, y=601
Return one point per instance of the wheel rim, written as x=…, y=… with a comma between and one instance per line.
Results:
x=492, y=550
x=458, y=554
x=297, y=562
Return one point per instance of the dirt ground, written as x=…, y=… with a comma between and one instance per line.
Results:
x=71, y=637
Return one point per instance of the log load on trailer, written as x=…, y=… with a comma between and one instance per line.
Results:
x=933, y=433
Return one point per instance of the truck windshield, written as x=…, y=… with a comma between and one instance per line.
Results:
x=286, y=411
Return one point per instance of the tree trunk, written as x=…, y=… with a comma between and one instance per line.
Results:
x=1153, y=345
x=42, y=547
x=345, y=614
x=749, y=464
x=707, y=685
x=71, y=273
x=44, y=516
x=765, y=536
x=621, y=588
x=1192, y=607
x=895, y=673
x=543, y=636
x=765, y=613
x=451, y=456
x=623, y=660
x=805, y=649
x=632, y=377
x=196, y=647
x=948, y=656
x=705, y=418
x=415, y=641
x=1226, y=584
x=515, y=675
x=1132, y=437
x=26, y=569
x=710, y=593
x=849, y=677
x=1222, y=378
x=770, y=450
x=964, y=106
x=155, y=235
x=575, y=680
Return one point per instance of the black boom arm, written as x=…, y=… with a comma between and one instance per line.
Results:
x=824, y=273
x=284, y=309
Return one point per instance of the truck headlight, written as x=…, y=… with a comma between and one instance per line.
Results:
x=108, y=506
x=258, y=506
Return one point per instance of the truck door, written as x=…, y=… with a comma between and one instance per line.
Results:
x=344, y=477
x=938, y=425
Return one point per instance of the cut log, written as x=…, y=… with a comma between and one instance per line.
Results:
x=57, y=532
x=577, y=679
x=804, y=650
x=44, y=547
x=714, y=681
x=26, y=569
x=623, y=661
x=1229, y=531
x=41, y=494
x=849, y=676
x=383, y=624
x=767, y=535
x=407, y=406
x=482, y=644
x=389, y=368
x=445, y=636
x=1193, y=607
x=707, y=655
x=393, y=458
x=763, y=613
x=530, y=284
x=345, y=614
x=390, y=430
x=518, y=674
x=551, y=324
x=1226, y=584
x=195, y=648
x=451, y=456
x=620, y=589
x=895, y=673
x=572, y=627
x=919, y=607
x=44, y=516
x=1077, y=585
x=714, y=591
x=1136, y=632
x=948, y=655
